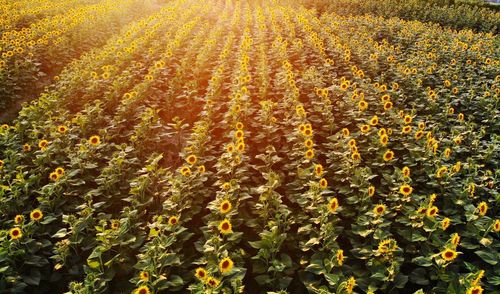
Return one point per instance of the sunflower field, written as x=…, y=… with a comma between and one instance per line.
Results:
x=239, y=146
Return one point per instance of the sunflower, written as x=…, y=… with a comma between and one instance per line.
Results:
x=318, y=170
x=212, y=282
x=226, y=186
x=445, y=223
x=406, y=172
x=300, y=111
x=365, y=129
x=385, y=98
x=441, y=171
x=362, y=105
x=333, y=205
x=387, y=246
x=447, y=153
x=15, y=233
x=18, y=219
x=240, y=147
x=421, y=125
x=350, y=285
x=407, y=119
x=388, y=155
x=62, y=129
x=432, y=211
x=384, y=139
x=345, y=132
x=323, y=183
x=340, y=257
x=496, y=225
x=239, y=126
x=43, y=144
x=419, y=134
x=455, y=239
x=144, y=276
x=173, y=220
x=356, y=156
x=191, y=159
x=309, y=154
x=185, y=171
x=379, y=209
x=478, y=278
x=36, y=215
x=225, y=227
x=483, y=208
x=59, y=171
x=405, y=189
x=115, y=225
x=449, y=254
x=26, y=147
x=371, y=191
x=54, y=176
x=475, y=290
x=142, y=290
x=309, y=143
x=201, y=169
x=239, y=134
x=225, y=265
x=307, y=132
x=229, y=148
x=352, y=142
x=225, y=206
x=457, y=140
x=200, y=273
x=451, y=110
x=406, y=130
x=374, y=120
x=460, y=117
x=388, y=105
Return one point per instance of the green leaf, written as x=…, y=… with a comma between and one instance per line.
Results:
x=34, y=277
x=488, y=257
x=61, y=233
x=422, y=261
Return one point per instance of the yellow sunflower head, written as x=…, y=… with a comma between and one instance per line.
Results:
x=36, y=215
x=15, y=233
x=225, y=227
x=201, y=274
x=225, y=206
x=449, y=254
x=379, y=209
x=225, y=265
x=95, y=140
x=333, y=204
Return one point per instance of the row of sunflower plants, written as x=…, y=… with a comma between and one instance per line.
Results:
x=167, y=245
x=221, y=265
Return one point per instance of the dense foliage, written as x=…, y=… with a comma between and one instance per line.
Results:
x=453, y=14
x=253, y=146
